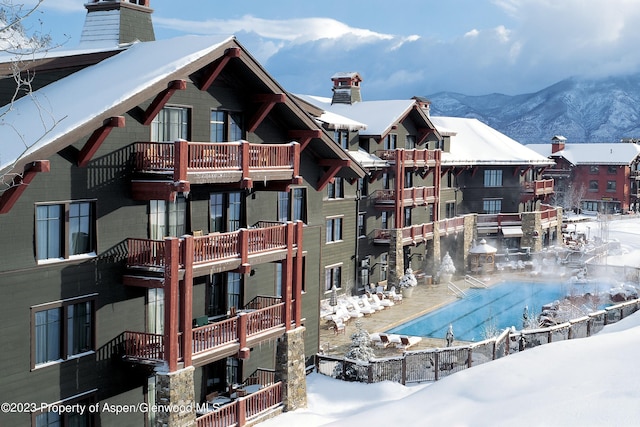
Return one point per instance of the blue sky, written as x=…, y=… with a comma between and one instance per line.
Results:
x=404, y=48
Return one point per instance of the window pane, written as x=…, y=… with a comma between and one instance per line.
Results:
x=79, y=228
x=155, y=311
x=337, y=229
x=235, y=127
x=79, y=328
x=217, y=126
x=233, y=290
x=49, y=229
x=157, y=219
x=283, y=206
x=235, y=211
x=47, y=335
x=177, y=216
x=48, y=419
x=216, y=212
x=299, y=204
x=329, y=236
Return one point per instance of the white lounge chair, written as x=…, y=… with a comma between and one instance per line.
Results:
x=382, y=302
x=366, y=311
x=397, y=298
x=407, y=341
x=367, y=304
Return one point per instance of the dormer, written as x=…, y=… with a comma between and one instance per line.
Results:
x=115, y=22
x=346, y=88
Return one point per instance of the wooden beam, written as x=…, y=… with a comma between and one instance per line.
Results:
x=161, y=100
x=20, y=184
x=97, y=138
x=423, y=133
x=267, y=101
x=334, y=167
x=214, y=70
x=304, y=137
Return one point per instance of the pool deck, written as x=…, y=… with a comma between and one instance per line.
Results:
x=425, y=298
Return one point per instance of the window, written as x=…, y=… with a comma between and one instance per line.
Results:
x=408, y=179
x=386, y=181
x=167, y=218
x=611, y=186
x=171, y=124
x=341, y=137
x=155, y=310
x=384, y=261
x=493, y=178
x=225, y=212
x=612, y=170
x=334, y=229
x=407, y=217
x=296, y=199
x=60, y=238
x=492, y=206
x=335, y=189
x=234, y=286
x=332, y=277
x=62, y=330
x=362, y=229
x=593, y=185
x=384, y=217
x=362, y=187
x=225, y=126
x=410, y=142
x=450, y=209
x=391, y=141
x=54, y=418
x=278, y=279
x=594, y=169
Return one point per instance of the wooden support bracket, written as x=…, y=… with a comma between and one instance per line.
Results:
x=161, y=100
x=267, y=102
x=20, y=184
x=214, y=70
x=97, y=138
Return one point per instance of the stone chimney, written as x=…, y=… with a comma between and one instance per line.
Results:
x=557, y=143
x=346, y=88
x=115, y=22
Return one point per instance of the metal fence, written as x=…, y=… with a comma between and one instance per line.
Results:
x=433, y=364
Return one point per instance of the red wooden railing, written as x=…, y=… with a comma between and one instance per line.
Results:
x=144, y=345
x=243, y=409
x=265, y=318
x=161, y=156
x=415, y=156
x=413, y=195
x=215, y=334
x=451, y=224
x=212, y=247
x=540, y=187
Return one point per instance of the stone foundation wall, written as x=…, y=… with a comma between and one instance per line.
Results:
x=290, y=369
x=176, y=389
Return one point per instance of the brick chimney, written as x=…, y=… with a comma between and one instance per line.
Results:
x=423, y=103
x=346, y=88
x=557, y=143
x=114, y=22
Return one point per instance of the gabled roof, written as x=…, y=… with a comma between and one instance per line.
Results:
x=475, y=143
x=57, y=115
x=378, y=116
x=597, y=153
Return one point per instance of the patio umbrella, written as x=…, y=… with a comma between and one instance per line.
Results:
x=333, y=298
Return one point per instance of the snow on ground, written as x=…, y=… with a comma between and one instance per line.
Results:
x=583, y=382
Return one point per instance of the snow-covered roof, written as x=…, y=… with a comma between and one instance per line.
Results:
x=348, y=74
x=378, y=116
x=94, y=91
x=603, y=153
x=368, y=160
x=475, y=143
x=336, y=121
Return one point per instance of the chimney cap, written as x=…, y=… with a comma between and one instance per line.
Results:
x=558, y=138
x=353, y=75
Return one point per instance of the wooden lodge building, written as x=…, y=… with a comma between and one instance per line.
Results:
x=172, y=218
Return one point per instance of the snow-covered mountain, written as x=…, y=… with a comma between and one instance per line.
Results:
x=582, y=110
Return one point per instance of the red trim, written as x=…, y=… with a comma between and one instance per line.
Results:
x=304, y=137
x=267, y=101
x=186, y=301
x=214, y=70
x=399, y=181
x=161, y=100
x=97, y=138
x=297, y=274
x=20, y=183
x=171, y=256
x=287, y=276
x=158, y=190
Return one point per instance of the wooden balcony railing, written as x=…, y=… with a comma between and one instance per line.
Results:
x=421, y=232
x=151, y=347
x=212, y=247
x=538, y=188
x=412, y=157
x=211, y=156
x=495, y=220
x=416, y=196
x=451, y=225
x=244, y=409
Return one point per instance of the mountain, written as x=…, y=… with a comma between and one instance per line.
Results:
x=582, y=110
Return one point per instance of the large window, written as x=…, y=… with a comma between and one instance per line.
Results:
x=334, y=229
x=225, y=126
x=171, y=124
x=408, y=179
x=335, y=189
x=391, y=142
x=234, y=287
x=450, y=209
x=410, y=142
x=292, y=205
x=167, y=218
x=65, y=230
x=225, y=212
x=492, y=206
x=362, y=224
x=493, y=178
x=62, y=330
x=332, y=277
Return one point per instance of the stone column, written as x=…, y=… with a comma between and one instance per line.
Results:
x=531, y=231
x=468, y=237
x=176, y=389
x=395, y=269
x=290, y=369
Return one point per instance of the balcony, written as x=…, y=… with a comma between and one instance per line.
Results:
x=411, y=158
x=214, y=341
x=245, y=407
x=216, y=252
x=421, y=233
x=415, y=196
x=163, y=165
x=538, y=188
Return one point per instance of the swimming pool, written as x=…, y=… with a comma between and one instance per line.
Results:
x=492, y=309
